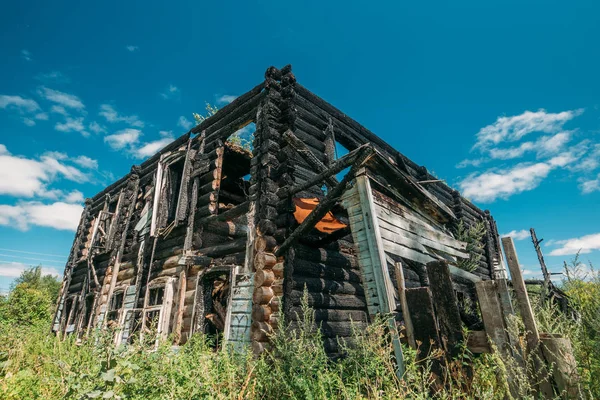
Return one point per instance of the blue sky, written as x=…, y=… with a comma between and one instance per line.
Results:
x=501, y=99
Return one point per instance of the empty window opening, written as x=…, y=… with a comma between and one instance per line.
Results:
x=216, y=289
x=243, y=138
x=236, y=172
x=155, y=296
x=174, y=176
x=341, y=151
x=115, y=307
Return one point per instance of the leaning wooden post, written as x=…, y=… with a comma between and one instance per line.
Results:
x=410, y=334
x=532, y=334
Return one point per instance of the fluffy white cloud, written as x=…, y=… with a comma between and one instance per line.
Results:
x=583, y=245
x=590, y=186
x=132, y=48
x=58, y=215
x=111, y=115
x=171, y=92
x=510, y=129
x=19, y=103
x=226, y=99
x=72, y=125
x=59, y=110
x=96, y=127
x=10, y=269
x=517, y=235
x=64, y=99
x=86, y=162
x=495, y=184
x=123, y=138
x=544, y=146
x=151, y=148
x=53, y=77
x=74, y=197
x=24, y=177
x=184, y=123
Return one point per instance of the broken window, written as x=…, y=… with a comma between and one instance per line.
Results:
x=115, y=307
x=174, y=177
x=216, y=289
x=157, y=309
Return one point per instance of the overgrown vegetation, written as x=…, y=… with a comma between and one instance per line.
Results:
x=35, y=364
x=471, y=235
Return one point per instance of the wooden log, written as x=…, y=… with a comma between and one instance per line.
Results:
x=446, y=305
x=477, y=342
x=261, y=313
x=260, y=331
x=332, y=258
x=234, y=246
x=227, y=215
x=318, y=285
x=492, y=315
x=325, y=271
x=180, y=306
x=264, y=277
x=334, y=168
x=329, y=301
x=308, y=156
x=262, y=295
x=296, y=313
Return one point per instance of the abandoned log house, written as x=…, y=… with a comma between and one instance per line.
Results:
x=210, y=236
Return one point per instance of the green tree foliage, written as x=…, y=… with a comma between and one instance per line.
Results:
x=31, y=299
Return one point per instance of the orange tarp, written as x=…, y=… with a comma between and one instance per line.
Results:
x=327, y=224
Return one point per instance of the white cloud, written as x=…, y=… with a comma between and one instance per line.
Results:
x=544, y=146
x=86, y=162
x=74, y=197
x=132, y=48
x=590, y=186
x=58, y=215
x=151, y=148
x=41, y=116
x=72, y=125
x=14, y=269
x=111, y=115
x=509, y=129
x=171, y=92
x=24, y=177
x=583, y=245
x=53, y=77
x=19, y=103
x=123, y=138
x=64, y=99
x=96, y=127
x=184, y=123
x=26, y=54
x=59, y=110
x=590, y=162
x=494, y=184
x=3, y=150
x=517, y=235
x=471, y=163
x=226, y=99
x=28, y=122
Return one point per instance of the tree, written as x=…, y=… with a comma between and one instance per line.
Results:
x=31, y=298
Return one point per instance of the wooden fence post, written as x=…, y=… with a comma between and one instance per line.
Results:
x=532, y=334
x=408, y=326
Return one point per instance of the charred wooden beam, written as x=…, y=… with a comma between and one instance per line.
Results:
x=308, y=156
x=325, y=205
x=337, y=166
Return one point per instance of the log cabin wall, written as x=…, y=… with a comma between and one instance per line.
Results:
x=134, y=236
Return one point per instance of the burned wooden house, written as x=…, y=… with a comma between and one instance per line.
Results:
x=208, y=236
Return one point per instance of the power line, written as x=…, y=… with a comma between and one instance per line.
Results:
x=27, y=258
x=43, y=265
x=30, y=252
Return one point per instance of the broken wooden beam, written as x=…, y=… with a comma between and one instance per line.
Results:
x=325, y=205
x=303, y=150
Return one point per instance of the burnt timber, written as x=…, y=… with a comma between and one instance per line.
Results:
x=209, y=237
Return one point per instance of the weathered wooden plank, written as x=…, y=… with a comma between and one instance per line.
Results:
x=446, y=305
x=420, y=307
x=532, y=334
x=491, y=313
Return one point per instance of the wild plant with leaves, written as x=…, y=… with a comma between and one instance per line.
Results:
x=472, y=235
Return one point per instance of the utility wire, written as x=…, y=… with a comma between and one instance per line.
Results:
x=30, y=252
